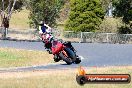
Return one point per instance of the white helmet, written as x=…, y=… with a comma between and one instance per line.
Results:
x=41, y=22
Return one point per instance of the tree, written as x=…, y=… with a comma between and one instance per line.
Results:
x=6, y=9
x=85, y=15
x=106, y=5
x=46, y=10
x=123, y=8
x=64, y=12
x=110, y=25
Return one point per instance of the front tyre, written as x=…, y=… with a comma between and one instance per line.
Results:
x=78, y=60
x=49, y=51
x=56, y=58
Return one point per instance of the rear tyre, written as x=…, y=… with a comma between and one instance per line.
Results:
x=71, y=54
x=66, y=59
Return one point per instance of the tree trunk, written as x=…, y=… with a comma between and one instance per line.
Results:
x=5, y=26
x=5, y=16
x=4, y=36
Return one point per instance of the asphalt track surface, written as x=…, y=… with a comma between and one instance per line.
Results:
x=92, y=54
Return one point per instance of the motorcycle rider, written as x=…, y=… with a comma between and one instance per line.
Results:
x=45, y=32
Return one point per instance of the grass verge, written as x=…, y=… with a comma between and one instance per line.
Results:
x=19, y=20
x=10, y=57
x=59, y=78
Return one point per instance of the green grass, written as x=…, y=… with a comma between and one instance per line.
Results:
x=18, y=57
x=9, y=56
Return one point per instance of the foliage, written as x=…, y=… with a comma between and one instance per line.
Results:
x=6, y=7
x=110, y=25
x=46, y=10
x=85, y=15
x=105, y=5
x=6, y=3
x=124, y=30
x=123, y=8
x=64, y=13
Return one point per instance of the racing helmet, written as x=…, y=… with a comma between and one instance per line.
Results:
x=41, y=22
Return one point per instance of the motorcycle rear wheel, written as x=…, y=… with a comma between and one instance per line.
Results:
x=66, y=59
x=71, y=54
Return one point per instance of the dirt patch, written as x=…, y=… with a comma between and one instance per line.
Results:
x=89, y=70
x=34, y=73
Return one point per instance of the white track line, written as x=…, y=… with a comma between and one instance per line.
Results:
x=81, y=57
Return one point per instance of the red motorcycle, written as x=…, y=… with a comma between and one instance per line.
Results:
x=61, y=51
x=64, y=51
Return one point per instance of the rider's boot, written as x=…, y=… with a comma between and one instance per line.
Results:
x=56, y=58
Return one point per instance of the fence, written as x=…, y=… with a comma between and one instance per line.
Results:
x=24, y=34
x=91, y=37
x=88, y=37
